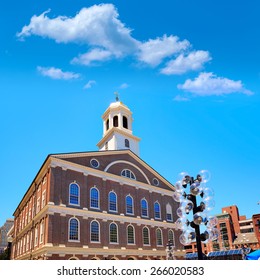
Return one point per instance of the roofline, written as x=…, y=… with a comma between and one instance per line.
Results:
x=123, y=151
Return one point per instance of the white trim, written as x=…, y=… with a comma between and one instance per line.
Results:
x=91, y=241
x=130, y=163
x=133, y=211
x=78, y=204
x=109, y=210
x=148, y=236
x=133, y=234
x=92, y=207
x=117, y=238
x=147, y=208
x=74, y=240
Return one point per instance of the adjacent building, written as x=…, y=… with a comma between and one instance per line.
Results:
x=106, y=204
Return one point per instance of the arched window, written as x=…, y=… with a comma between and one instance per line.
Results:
x=115, y=121
x=157, y=210
x=113, y=235
x=74, y=194
x=94, y=198
x=169, y=212
x=144, y=208
x=127, y=144
x=128, y=174
x=73, y=229
x=130, y=235
x=129, y=205
x=125, y=122
x=159, y=237
x=146, y=236
x=107, y=124
x=94, y=231
x=112, y=201
x=171, y=236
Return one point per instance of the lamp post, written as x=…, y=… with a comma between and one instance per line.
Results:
x=170, y=250
x=190, y=221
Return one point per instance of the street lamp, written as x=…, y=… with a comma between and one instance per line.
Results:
x=170, y=250
x=194, y=214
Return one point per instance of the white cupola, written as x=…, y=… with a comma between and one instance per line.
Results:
x=117, y=129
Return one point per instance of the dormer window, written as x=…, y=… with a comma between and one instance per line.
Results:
x=128, y=174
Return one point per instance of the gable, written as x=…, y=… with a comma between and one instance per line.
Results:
x=114, y=162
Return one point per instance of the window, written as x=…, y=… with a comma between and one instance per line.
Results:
x=112, y=202
x=41, y=232
x=73, y=229
x=130, y=235
x=43, y=198
x=115, y=121
x=94, y=198
x=127, y=144
x=36, y=236
x=169, y=212
x=94, y=163
x=144, y=208
x=125, y=122
x=157, y=210
x=74, y=194
x=107, y=124
x=171, y=237
x=94, y=231
x=128, y=174
x=155, y=182
x=159, y=237
x=129, y=205
x=146, y=236
x=113, y=233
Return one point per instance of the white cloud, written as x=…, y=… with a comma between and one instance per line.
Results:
x=124, y=86
x=182, y=64
x=97, y=26
x=95, y=55
x=181, y=98
x=89, y=84
x=209, y=84
x=57, y=74
x=154, y=51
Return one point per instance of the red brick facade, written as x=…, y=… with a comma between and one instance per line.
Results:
x=48, y=219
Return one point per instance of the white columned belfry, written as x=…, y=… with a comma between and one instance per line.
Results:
x=117, y=129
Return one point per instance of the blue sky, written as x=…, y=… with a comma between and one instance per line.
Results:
x=189, y=71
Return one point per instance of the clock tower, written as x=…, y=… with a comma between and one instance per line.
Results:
x=117, y=129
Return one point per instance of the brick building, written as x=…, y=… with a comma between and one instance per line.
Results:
x=107, y=204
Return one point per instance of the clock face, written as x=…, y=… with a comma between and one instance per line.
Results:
x=94, y=163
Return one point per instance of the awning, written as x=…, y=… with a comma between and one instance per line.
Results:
x=254, y=255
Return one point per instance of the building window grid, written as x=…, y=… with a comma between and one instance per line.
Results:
x=113, y=233
x=112, y=202
x=146, y=236
x=94, y=198
x=73, y=229
x=144, y=208
x=129, y=205
x=130, y=235
x=159, y=241
x=157, y=210
x=74, y=194
x=128, y=174
x=94, y=231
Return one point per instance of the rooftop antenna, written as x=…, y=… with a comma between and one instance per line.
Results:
x=117, y=96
